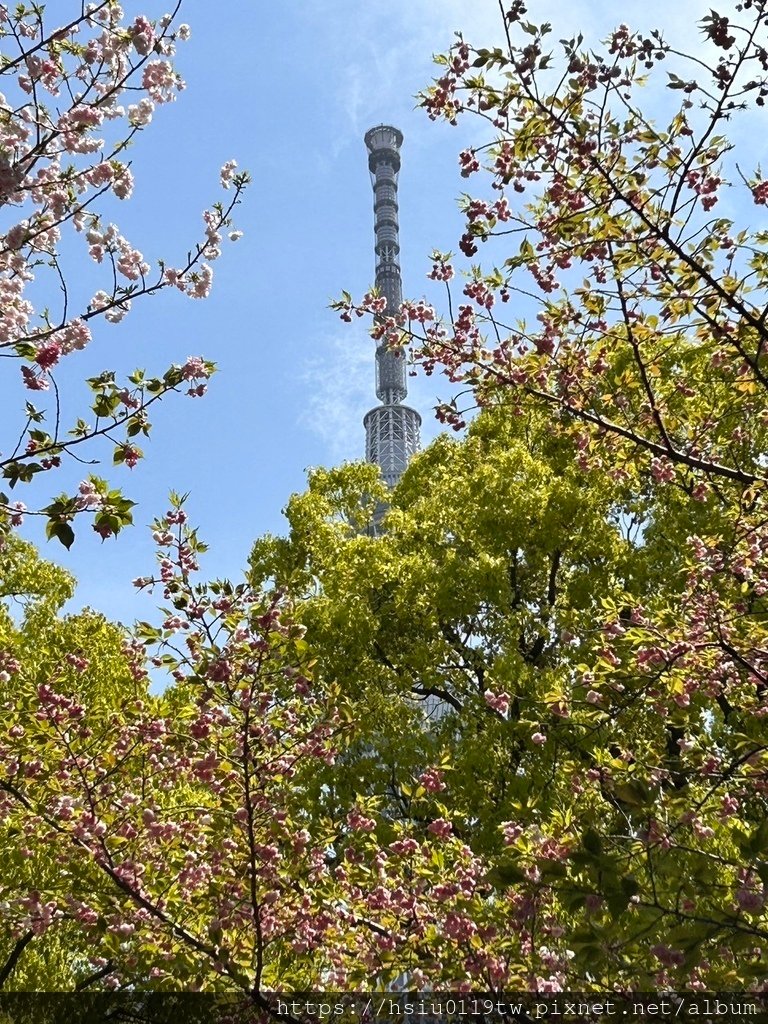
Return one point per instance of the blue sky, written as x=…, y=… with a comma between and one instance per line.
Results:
x=288, y=90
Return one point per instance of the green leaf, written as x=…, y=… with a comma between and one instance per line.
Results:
x=505, y=874
x=105, y=405
x=63, y=532
x=758, y=842
x=592, y=842
x=632, y=792
x=617, y=902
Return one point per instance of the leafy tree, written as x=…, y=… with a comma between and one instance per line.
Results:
x=83, y=653
x=646, y=358
x=121, y=808
x=517, y=741
x=506, y=600
x=258, y=827
x=470, y=611
x=64, y=134
x=169, y=842
x=165, y=842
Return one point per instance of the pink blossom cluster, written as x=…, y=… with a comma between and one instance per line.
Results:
x=441, y=270
x=432, y=780
x=441, y=100
x=497, y=701
x=57, y=161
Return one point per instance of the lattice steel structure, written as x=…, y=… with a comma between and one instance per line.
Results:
x=391, y=429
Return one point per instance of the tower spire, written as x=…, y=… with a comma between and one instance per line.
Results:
x=391, y=428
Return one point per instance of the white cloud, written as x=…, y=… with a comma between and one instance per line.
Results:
x=340, y=382
x=388, y=40
x=380, y=63
x=381, y=51
x=340, y=379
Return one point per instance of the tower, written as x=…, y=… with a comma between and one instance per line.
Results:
x=391, y=428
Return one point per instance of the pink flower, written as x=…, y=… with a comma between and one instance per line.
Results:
x=228, y=173
x=458, y=926
x=729, y=806
x=123, y=186
x=101, y=174
x=432, y=780
x=77, y=661
x=48, y=355
x=195, y=368
x=199, y=284
x=88, y=496
x=441, y=271
x=131, y=455
x=498, y=701
x=220, y=671
x=161, y=81
x=358, y=822
x=668, y=956
x=32, y=380
x=74, y=337
x=511, y=831
x=375, y=304
x=18, y=508
x=662, y=470
x=404, y=846
x=441, y=828
x=468, y=162
x=750, y=900
x=173, y=277
x=140, y=114
x=538, y=738
x=143, y=35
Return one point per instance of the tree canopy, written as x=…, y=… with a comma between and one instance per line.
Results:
x=517, y=741
x=634, y=239
x=67, y=120
x=499, y=642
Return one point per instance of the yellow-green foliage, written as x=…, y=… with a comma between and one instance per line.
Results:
x=80, y=655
